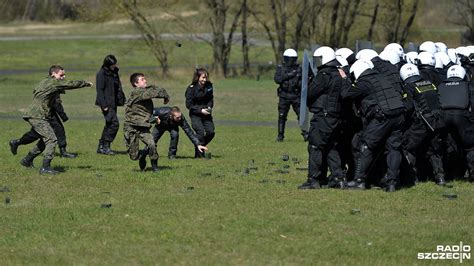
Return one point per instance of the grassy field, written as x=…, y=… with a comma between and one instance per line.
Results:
x=198, y=211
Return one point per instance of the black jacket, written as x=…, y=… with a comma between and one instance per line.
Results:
x=109, y=89
x=164, y=113
x=198, y=98
x=288, y=77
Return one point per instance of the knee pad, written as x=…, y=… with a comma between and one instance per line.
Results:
x=282, y=116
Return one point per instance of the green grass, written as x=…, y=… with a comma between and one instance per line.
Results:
x=198, y=211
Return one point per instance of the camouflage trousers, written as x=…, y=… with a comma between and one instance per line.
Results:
x=133, y=135
x=47, y=141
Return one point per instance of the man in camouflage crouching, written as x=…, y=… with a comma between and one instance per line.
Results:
x=138, y=110
x=40, y=114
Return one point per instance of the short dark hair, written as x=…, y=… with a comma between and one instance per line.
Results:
x=54, y=69
x=197, y=73
x=175, y=109
x=134, y=78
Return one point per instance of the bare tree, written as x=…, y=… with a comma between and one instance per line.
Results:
x=222, y=45
x=373, y=21
x=465, y=11
x=149, y=33
x=409, y=23
x=245, y=43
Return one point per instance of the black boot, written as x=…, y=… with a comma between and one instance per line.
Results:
x=336, y=182
x=46, y=168
x=100, y=147
x=311, y=183
x=142, y=160
x=28, y=161
x=357, y=183
x=14, y=146
x=154, y=165
x=439, y=179
x=105, y=149
x=281, y=130
x=65, y=154
x=391, y=186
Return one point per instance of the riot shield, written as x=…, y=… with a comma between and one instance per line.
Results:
x=307, y=66
x=361, y=44
x=412, y=47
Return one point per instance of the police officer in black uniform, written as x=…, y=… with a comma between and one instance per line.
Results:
x=288, y=77
x=171, y=119
x=427, y=122
x=456, y=97
x=200, y=102
x=382, y=109
x=325, y=102
x=426, y=63
x=58, y=127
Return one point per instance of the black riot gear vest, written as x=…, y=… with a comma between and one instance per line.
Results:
x=388, y=99
x=389, y=71
x=454, y=94
x=289, y=79
x=426, y=96
x=330, y=102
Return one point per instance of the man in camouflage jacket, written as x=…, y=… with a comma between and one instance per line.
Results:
x=138, y=110
x=40, y=113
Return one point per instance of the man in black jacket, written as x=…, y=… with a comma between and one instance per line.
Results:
x=170, y=119
x=109, y=96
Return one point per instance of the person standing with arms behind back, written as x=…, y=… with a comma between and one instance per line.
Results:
x=109, y=96
x=200, y=101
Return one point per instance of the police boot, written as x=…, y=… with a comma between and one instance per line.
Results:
x=281, y=131
x=358, y=183
x=154, y=165
x=14, y=143
x=389, y=184
x=28, y=161
x=142, y=160
x=336, y=182
x=64, y=154
x=46, y=168
x=106, y=149
x=311, y=183
x=439, y=179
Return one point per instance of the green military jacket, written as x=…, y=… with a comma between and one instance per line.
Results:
x=139, y=106
x=45, y=94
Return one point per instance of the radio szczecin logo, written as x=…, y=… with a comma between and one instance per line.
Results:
x=448, y=252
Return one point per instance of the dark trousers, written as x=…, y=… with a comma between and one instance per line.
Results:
x=386, y=131
x=417, y=137
x=323, y=135
x=58, y=128
x=204, y=128
x=174, y=138
x=458, y=125
x=111, y=125
x=284, y=105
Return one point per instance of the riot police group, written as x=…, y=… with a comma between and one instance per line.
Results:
x=385, y=120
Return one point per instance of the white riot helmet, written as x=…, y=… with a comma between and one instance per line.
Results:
x=452, y=55
x=410, y=57
x=442, y=59
x=390, y=55
x=366, y=54
x=359, y=67
x=395, y=47
x=290, y=53
x=408, y=70
x=342, y=61
x=324, y=55
x=429, y=47
x=426, y=58
x=290, y=56
x=347, y=54
x=456, y=71
x=441, y=47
